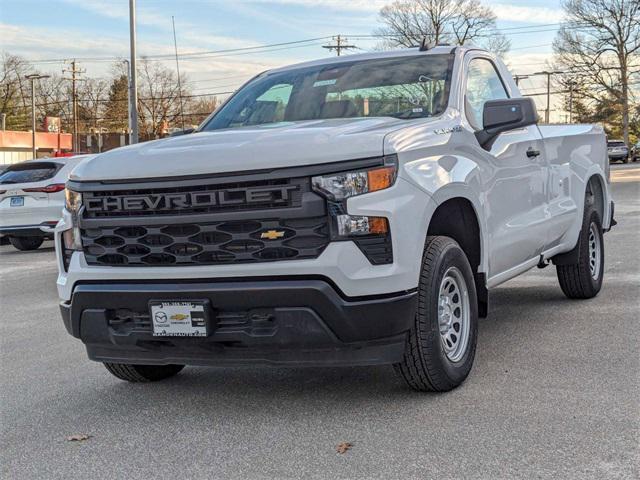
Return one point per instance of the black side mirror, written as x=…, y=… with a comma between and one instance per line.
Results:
x=186, y=131
x=503, y=115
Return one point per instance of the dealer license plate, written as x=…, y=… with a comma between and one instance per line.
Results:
x=16, y=202
x=179, y=319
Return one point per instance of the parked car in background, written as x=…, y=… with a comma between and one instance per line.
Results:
x=32, y=198
x=635, y=152
x=618, y=150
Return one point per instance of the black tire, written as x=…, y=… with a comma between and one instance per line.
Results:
x=142, y=373
x=625, y=160
x=426, y=366
x=576, y=280
x=26, y=243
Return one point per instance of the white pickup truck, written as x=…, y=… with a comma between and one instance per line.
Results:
x=346, y=211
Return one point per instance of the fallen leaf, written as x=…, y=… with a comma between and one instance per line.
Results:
x=343, y=447
x=78, y=438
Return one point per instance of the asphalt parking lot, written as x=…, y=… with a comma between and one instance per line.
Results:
x=554, y=393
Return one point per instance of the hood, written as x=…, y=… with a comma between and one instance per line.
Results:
x=249, y=148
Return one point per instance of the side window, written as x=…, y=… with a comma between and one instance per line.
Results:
x=483, y=84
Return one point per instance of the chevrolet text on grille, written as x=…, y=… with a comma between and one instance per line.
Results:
x=171, y=201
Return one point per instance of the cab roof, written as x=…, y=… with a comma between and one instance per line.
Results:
x=405, y=52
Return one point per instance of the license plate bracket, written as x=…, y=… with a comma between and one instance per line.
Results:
x=179, y=318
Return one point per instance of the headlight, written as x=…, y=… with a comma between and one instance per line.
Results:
x=71, y=238
x=371, y=235
x=340, y=186
x=73, y=200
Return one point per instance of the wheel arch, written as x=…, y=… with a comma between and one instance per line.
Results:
x=457, y=217
x=595, y=192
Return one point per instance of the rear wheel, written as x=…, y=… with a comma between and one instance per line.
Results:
x=142, y=373
x=26, y=243
x=442, y=343
x=583, y=279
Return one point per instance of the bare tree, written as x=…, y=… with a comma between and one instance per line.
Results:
x=458, y=22
x=54, y=99
x=15, y=93
x=159, y=97
x=199, y=109
x=91, y=96
x=599, y=42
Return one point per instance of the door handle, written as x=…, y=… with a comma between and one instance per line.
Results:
x=531, y=153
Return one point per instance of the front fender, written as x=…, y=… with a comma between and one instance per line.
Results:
x=445, y=177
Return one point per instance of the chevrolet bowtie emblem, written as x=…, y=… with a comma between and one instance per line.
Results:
x=179, y=317
x=272, y=234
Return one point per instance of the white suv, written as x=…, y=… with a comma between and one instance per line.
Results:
x=32, y=199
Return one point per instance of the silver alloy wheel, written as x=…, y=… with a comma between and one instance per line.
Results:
x=594, y=251
x=453, y=314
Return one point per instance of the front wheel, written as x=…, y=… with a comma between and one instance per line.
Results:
x=583, y=279
x=441, y=345
x=142, y=373
x=26, y=243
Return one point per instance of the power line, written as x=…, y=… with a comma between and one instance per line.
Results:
x=260, y=48
x=187, y=54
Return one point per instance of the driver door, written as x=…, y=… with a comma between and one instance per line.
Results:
x=513, y=174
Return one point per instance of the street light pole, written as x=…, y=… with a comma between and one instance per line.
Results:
x=133, y=88
x=33, y=77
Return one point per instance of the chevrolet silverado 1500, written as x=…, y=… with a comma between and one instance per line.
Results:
x=346, y=211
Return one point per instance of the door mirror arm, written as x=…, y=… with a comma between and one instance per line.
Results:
x=501, y=116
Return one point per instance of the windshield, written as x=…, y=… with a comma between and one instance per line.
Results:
x=401, y=87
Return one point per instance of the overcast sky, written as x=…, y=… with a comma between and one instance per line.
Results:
x=93, y=29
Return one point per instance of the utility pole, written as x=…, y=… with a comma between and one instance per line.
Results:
x=175, y=45
x=33, y=77
x=341, y=44
x=547, y=112
x=133, y=75
x=75, y=73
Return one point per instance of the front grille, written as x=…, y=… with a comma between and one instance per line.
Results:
x=222, y=197
x=212, y=243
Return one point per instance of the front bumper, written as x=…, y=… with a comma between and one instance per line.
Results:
x=295, y=321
